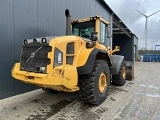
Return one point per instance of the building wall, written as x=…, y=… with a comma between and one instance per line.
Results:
x=21, y=19
x=126, y=46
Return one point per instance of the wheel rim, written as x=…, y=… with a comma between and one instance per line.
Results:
x=124, y=73
x=102, y=83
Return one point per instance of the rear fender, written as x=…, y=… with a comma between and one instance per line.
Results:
x=116, y=61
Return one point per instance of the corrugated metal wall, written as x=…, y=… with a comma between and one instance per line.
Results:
x=21, y=19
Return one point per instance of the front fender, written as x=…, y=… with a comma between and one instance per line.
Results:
x=90, y=60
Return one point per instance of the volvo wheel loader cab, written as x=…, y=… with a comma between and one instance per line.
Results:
x=79, y=62
x=85, y=28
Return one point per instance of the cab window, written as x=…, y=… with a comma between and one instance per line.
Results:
x=102, y=32
x=83, y=29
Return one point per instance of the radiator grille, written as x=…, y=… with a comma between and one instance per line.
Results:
x=34, y=55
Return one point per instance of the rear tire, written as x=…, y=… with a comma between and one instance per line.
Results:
x=94, y=86
x=120, y=78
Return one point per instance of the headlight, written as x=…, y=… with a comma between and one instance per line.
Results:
x=58, y=57
x=41, y=69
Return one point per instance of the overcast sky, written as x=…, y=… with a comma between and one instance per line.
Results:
x=125, y=9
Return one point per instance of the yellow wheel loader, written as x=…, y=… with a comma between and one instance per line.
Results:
x=79, y=62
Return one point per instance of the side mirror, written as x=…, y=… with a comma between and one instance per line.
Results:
x=109, y=32
x=94, y=36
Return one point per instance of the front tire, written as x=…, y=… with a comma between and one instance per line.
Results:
x=94, y=86
x=120, y=78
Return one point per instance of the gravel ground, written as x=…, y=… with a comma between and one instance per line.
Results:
x=136, y=100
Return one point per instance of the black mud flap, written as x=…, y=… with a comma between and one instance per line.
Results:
x=129, y=70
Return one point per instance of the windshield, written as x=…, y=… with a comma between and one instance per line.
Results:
x=83, y=29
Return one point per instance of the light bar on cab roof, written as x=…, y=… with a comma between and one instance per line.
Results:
x=74, y=21
x=94, y=18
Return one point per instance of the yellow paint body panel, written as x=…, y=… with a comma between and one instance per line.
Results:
x=62, y=77
x=83, y=56
x=65, y=76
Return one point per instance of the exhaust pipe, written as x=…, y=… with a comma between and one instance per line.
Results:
x=68, y=22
